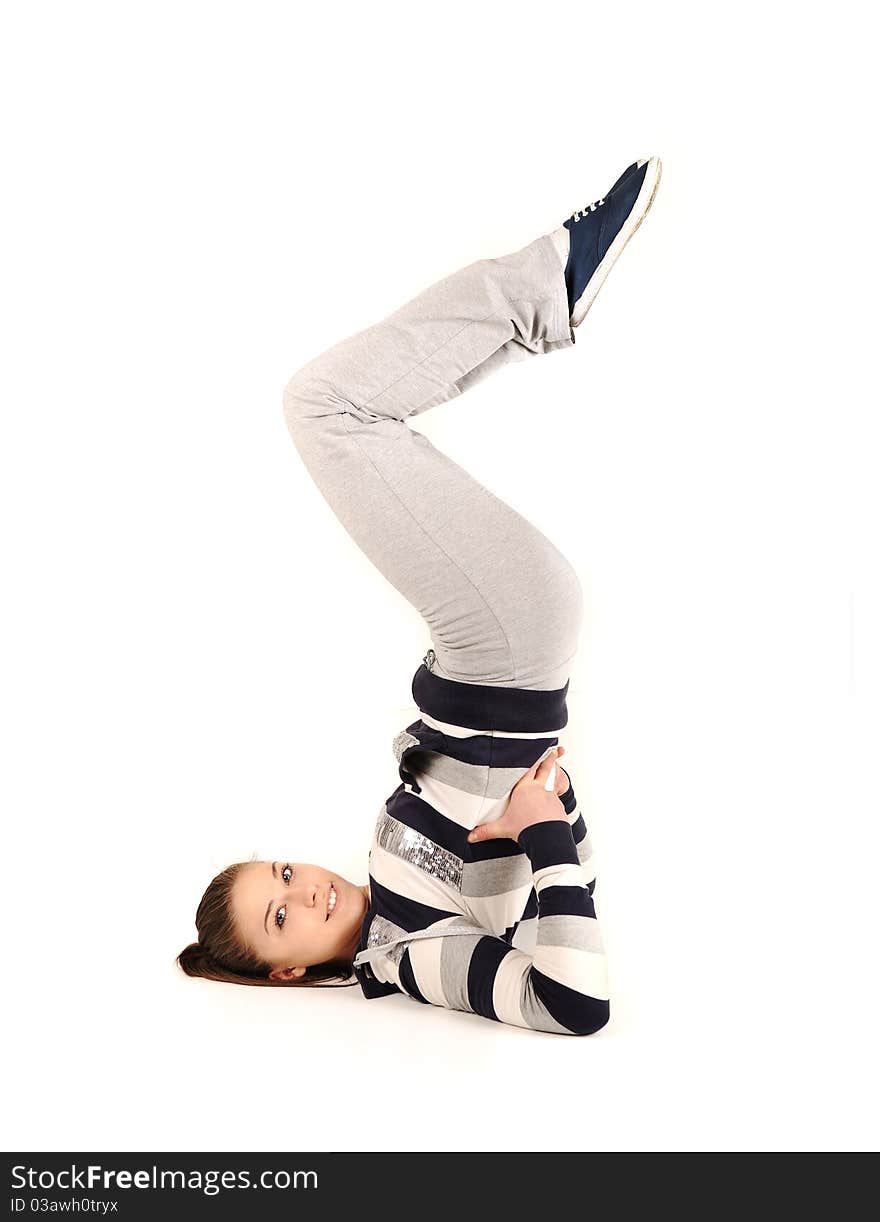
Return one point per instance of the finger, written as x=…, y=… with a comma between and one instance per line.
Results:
x=485, y=831
x=533, y=771
x=546, y=765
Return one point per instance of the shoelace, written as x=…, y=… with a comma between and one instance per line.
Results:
x=576, y=216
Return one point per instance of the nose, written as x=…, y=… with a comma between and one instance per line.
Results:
x=306, y=894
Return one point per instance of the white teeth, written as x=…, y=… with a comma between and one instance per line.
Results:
x=331, y=902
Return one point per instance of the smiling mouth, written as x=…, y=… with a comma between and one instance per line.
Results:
x=332, y=901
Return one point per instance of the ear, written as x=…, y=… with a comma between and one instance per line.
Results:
x=287, y=973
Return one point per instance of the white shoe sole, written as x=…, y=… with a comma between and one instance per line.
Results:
x=640, y=208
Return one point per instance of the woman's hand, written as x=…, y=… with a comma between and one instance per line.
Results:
x=530, y=802
x=562, y=778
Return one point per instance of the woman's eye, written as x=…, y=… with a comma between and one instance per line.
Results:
x=287, y=874
x=280, y=914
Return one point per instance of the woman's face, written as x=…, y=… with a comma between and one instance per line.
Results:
x=295, y=915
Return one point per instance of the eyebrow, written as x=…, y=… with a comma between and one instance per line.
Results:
x=269, y=905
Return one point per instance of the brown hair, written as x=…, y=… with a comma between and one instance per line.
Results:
x=220, y=954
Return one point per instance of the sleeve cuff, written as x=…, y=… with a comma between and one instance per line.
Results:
x=550, y=843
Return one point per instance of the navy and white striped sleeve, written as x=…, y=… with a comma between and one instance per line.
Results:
x=561, y=987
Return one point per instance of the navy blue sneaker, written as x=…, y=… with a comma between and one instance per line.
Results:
x=597, y=234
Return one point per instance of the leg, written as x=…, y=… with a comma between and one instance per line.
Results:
x=502, y=604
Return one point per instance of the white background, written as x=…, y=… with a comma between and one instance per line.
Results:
x=199, y=665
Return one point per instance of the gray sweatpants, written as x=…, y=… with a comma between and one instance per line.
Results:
x=503, y=605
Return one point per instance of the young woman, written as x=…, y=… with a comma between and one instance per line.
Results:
x=480, y=891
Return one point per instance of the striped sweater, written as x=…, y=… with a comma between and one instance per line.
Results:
x=540, y=963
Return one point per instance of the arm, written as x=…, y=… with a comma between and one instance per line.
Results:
x=565, y=982
x=563, y=986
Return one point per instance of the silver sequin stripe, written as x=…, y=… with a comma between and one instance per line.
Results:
x=396, y=948
x=382, y=931
x=409, y=845
x=401, y=742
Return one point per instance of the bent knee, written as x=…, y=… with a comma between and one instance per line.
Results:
x=311, y=396
x=310, y=406
x=300, y=398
